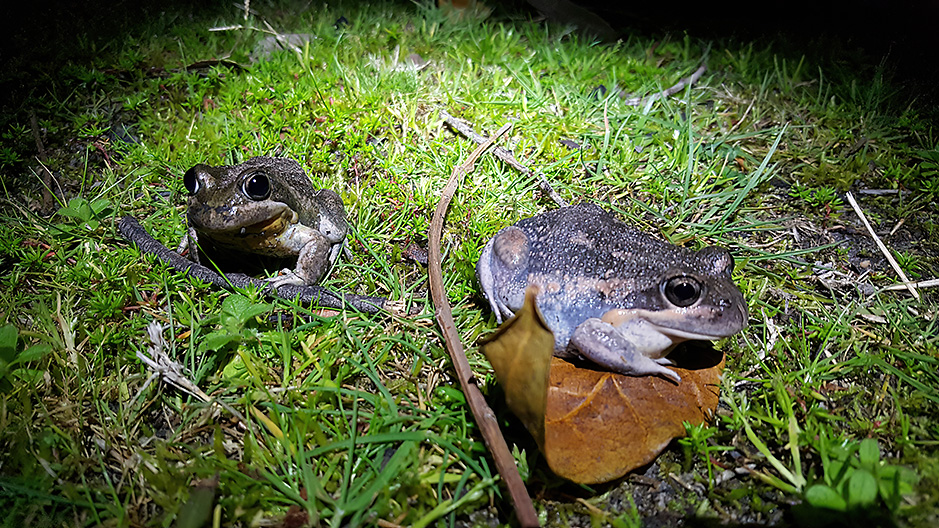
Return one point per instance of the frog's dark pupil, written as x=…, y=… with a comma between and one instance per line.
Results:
x=258, y=186
x=191, y=181
x=682, y=291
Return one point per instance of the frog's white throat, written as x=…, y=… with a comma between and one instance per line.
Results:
x=661, y=322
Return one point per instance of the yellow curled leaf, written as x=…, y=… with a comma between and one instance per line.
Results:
x=520, y=353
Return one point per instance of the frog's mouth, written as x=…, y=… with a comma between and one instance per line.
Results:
x=233, y=222
x=682, y=335
x=258, y=234
x=274, y=225
x=669, y=323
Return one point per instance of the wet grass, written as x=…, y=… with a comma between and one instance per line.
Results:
x=829, y=396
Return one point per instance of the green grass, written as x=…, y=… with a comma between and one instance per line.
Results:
x=830, y=395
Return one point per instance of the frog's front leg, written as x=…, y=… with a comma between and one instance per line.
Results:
x=314, y=258
x=623, y=352
x=312, y=262
x=190, y=242
x=502, y=271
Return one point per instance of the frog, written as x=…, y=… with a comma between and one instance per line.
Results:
x=611, y=294
x=266, y=206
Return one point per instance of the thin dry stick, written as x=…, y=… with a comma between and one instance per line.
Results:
x=485, y=418
x=931, y=283
x=504, y=155
x=883, y=248
x=162, y=365
x=744, y=116
x=691, y=79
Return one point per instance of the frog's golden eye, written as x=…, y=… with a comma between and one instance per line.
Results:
x=191, y=181
x=257, y=186
x=682, y=291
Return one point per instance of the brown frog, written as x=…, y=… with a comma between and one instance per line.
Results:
x=266, y=206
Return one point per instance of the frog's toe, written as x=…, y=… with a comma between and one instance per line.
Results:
x=668, y=373
x=285, y=278
x=503, y=313
x=643, y=366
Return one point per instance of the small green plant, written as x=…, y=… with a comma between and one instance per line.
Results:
x=931, y=185
x=237, y=310
x=823, y=198
x=9, y=156
x=910, y=262
x=87, y=214
x=855, y=478
x=12, y=360
x=697, y=442
x=929, y=172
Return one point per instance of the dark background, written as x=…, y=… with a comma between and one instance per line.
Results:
x=41, y=36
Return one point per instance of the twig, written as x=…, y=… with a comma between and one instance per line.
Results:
x=492, y=435
x=883, y=192
x=162, y=365
x=132, y=231
x=504, y=155
x=931, y=283
x=744, y=116
x=691, y=79
x=883, y=248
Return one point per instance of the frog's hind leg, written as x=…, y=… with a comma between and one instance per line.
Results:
x=606, y=346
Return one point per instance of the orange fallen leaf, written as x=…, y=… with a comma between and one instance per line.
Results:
x=594, y=426
x=600, y=425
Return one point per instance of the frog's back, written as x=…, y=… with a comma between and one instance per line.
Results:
x=587, y=262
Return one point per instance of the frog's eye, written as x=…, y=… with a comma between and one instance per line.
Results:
x=257, y=186
x=682, y=291
x=191, y=181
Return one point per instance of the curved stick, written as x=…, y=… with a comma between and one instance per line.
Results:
x=485, y=418
x=691, y=79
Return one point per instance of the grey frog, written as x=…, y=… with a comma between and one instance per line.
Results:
x=611, y=294
x=269, y=207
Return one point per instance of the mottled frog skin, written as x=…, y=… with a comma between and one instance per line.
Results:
x=611, y=294
x=266, y=206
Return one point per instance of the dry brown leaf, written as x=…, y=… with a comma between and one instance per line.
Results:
x=600, y=425
x=594, y=426
x=520, y=354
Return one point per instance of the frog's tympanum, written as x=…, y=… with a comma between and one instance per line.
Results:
x=266, y=206
x=611, y=294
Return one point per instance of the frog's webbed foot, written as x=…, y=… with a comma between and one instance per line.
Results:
x=606, y=346
x=286, y=277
